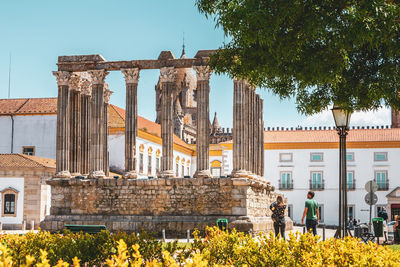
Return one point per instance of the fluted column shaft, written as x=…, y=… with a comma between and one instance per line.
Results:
x=256, y=135
x=131, y=124
x=203, y=114
x=85, y=131
x=251, y=128
x=75, y=132
x=97, y=133
x=261, y=136
x=63, y=134
x=168, y=87
x=239, y=129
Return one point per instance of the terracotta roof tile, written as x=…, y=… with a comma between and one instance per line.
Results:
x=326, y=136
x=10, y=106
x=39, y=106
x=21, y=161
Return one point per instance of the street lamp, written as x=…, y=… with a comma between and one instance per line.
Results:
x=342, y=121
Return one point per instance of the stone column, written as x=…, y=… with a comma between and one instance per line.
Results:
x=75, y=124
x=251, y=128
x=97, y=133
x=239, y=128
x=168, y=87
x=106, y=158
x=203, y=116
x=131, y=124
x=256, y=139
x=62, y=146
x=86, y=93
x=261, y=141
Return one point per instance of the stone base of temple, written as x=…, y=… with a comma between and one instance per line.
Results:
x=96, y=175
x=130, y=175
x=173, y=204
x=62, y=174
x=240, y=174
x=167, y=174
x=202, y=174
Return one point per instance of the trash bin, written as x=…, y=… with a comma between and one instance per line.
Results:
x=378, y=226
x=222, y=224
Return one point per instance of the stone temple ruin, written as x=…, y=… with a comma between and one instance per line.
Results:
x=168, y=202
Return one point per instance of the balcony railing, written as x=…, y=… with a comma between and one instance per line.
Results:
x=317, y=186
x=383, y=186
x=286, y=186
x=351, y=186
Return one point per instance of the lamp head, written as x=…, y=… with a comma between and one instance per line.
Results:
x=341, y=116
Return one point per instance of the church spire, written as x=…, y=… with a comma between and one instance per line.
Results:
x=215, y=125
x=183, y=47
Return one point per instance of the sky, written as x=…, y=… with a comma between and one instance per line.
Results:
x=35, y=33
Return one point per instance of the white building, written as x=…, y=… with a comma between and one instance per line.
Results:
x=296, y=161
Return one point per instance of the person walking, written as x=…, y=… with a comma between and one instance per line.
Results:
x=311, y=213
x=278, y=216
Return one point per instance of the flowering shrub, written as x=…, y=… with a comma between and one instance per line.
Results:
x=217, y=248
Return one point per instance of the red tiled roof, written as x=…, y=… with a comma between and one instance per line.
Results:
x=28, y=106
x=22, y=161
x=326, y=136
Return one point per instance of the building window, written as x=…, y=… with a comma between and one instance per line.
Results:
x=379, y=208
x=380, y=156
x=321, y=212
x=177, y=170
x=382, y=180
x=316, y=181
x=317, y=157
x=286, y=181
x=195, y=95
x=28, y=150
x=9, y=197
x=193, y=117
x=290, y=211
x=183, y=170
x=158, y=152
x=351, y=185
x=285, y=157
x=149, y=165
x=141, y=163
x=187, y=171
x=350, y=156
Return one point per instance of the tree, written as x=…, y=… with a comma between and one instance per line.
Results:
x=320, y=52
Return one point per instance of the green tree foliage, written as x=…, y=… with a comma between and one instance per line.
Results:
x=320, y=52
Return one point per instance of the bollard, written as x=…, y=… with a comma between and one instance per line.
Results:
x=251, y=231
x=188, y=235
x=304, y=230
x=1, y=226
x=32, y=225
x=23, y=225
x=323, y=232
x=163, y=235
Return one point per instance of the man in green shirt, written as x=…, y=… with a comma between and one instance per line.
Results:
x=311, y=213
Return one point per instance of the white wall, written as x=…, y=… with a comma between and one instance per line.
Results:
x=364, y=168
x=117, y=155
x=5, y=134
x=18, y=184
x=33, y=130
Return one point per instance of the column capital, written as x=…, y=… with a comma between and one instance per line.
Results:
x=131, y=75
x=98, y=76
x=86, y=87
x=107, y=95
x=62, y=77
x=203, y=73
x=75, y=82
x=167, y=74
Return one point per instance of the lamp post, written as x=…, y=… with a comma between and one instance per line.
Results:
x=342, y=121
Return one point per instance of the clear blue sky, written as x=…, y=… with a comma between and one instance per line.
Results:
x=37, y=32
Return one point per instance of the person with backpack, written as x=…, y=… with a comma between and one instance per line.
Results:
x=278, y=216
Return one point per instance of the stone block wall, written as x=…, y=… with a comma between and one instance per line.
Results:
x=175, y=204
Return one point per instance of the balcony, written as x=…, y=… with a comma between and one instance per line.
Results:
x=286, y=186
x=383, y=186
x=351, y=186
x=317, y=186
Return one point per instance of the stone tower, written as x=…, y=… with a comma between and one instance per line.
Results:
x=185, y=107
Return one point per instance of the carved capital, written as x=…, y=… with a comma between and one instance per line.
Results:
x=86, y=87
x=75, y=82
x=203, y=73
x=107, y=95
x=62, y=77
x=98, y=76
x=131, y=75
x=167, y=74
